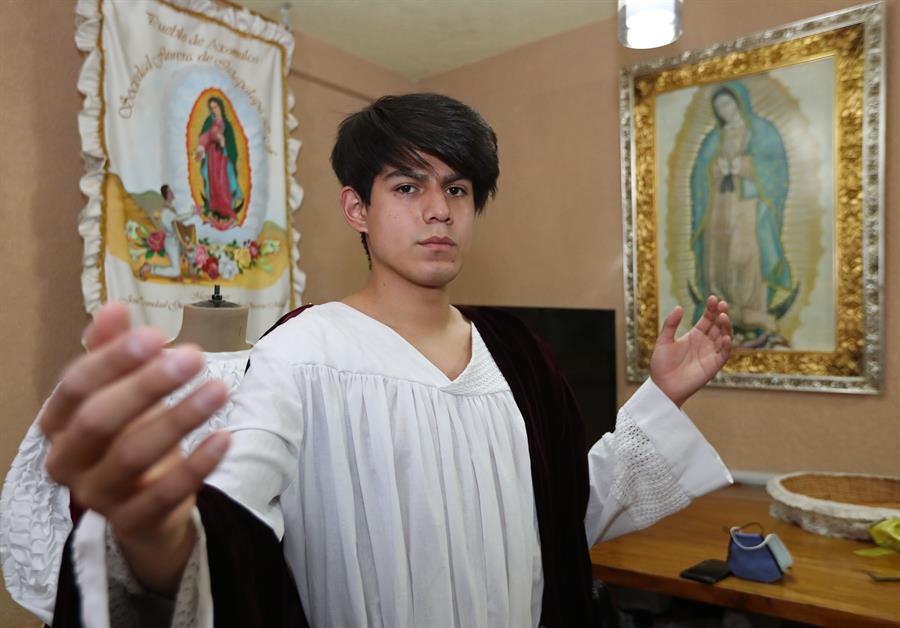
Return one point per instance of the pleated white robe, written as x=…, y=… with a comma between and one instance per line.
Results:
x=405, y=499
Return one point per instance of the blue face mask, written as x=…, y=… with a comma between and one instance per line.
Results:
x=753, y=557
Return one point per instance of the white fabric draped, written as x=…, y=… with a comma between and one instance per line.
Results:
x=413, y=502
x=404, y=498
x=34, y=510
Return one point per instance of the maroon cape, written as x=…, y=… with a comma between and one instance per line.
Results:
x=252, y=586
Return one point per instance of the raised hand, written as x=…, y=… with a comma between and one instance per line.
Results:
x=680, y=367
x=116, y=446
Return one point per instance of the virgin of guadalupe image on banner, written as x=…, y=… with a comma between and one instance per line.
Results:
x=185, y=133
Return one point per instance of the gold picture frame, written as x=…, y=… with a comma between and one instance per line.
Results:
x=753, y=169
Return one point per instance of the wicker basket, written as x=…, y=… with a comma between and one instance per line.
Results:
x=835, y=504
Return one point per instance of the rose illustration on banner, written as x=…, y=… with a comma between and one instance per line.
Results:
x=211, y=267
x=156, y=241
x=205, y=260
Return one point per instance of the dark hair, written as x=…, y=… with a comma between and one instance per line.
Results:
x=723, y=91
x=163, y=190
x=218, y=101
x=397, y=130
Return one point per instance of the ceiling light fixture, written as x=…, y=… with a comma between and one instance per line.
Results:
x=649, y=23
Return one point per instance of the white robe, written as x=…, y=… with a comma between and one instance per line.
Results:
x=405, y=499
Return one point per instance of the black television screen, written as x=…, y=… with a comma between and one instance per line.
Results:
x=584, y=342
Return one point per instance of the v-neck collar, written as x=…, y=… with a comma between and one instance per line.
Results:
x=446, y=381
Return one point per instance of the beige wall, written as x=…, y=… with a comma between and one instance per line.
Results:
x=41, y=309
x=330, y=253
x=554, y=235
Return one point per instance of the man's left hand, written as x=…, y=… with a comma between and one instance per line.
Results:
x=682, y=366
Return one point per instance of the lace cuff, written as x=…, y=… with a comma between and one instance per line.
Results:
x=653, y=465
x=110, y=595
x=130, y=604
x=662, y=459
x=687, y=454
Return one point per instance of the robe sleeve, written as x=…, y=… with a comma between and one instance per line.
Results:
x=206, y=139
x=249, y=582
x=653, y=465
x=238, y=577
x=266, y=425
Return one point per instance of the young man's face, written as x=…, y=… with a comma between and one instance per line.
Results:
x=419, y=222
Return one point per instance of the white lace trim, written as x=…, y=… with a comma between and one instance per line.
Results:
x=34, y=510
x=481, y=376
x=644, y=484
x=132, y=605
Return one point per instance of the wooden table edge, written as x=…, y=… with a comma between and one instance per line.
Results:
x=732, y=598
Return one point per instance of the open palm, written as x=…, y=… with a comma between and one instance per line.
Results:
x=680, y=367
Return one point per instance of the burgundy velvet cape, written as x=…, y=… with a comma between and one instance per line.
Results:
x=252, y=586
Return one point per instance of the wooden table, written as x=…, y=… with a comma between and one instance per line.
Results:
x=827, y=585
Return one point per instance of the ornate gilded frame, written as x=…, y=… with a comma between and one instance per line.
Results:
x=855, y=37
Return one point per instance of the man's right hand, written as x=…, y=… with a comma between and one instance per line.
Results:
x=116, y=446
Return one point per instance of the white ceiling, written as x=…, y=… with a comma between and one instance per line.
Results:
x=421, y=38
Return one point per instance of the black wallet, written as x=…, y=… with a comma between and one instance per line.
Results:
x=709, y=571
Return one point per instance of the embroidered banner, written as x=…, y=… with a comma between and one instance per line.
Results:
x=185, y=134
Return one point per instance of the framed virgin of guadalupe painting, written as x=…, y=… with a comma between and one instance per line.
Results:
x=752, y=170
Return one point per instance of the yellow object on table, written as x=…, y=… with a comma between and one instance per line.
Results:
x=886, y=535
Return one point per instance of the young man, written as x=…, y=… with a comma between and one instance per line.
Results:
x=421, y=464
